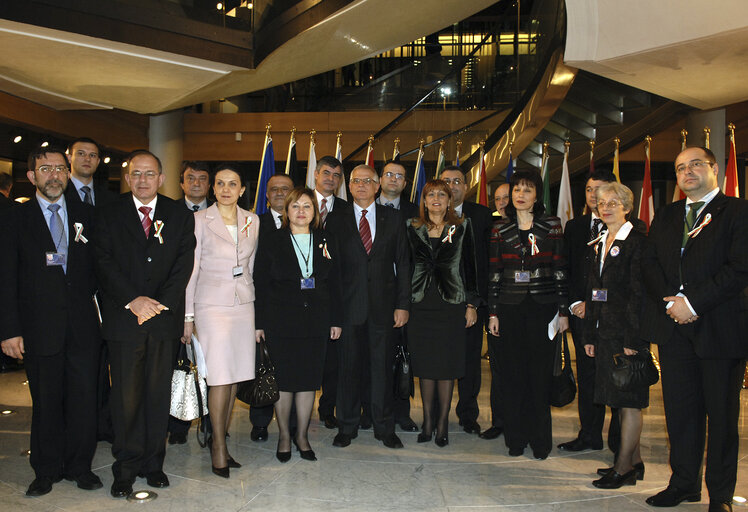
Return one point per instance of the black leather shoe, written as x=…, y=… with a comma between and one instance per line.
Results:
x=329, y=421
x=408, y=425
x=516, y=452
x=638, y=467
x=389, y=440
x=578, y=445
x=41, y=486
x=615, y=480
x=177, y=438
x=87, y=481
x=283, y=456
x=491, y=433
x=232, y=463
x=259, y=434
x=342, y=440
x=308, y=454
x=425, y=438
x=540, y=455
x=443, y=441
x=470, y=426
x=157, y=479
x=121, y=488
x=672, y=496
x=720, y=506
x=364, y=423
x=222, y=472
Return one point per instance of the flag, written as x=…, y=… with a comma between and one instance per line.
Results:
x=396, y=152
x=509, y=167
x=482, y=179
x=312, y=163
x=457, y=154
x=565, y=212
x=546, y=179
x=441, y=161
x=267, y=169
x=292, y=164
x=419, y=180
x=616, y=171
x=370, y=152
x=731, y=188
x=677, y=192
x=646, y=202
x=342, y=193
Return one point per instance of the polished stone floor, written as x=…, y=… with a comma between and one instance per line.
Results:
x=469, y=474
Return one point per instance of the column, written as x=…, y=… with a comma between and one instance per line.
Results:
x=717, y=123
x=165, y=137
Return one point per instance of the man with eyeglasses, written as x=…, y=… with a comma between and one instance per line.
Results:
x=376, y=291
x=48, y=319
x=468, y=386
x=327, y=176
x=145, y=246
x=84, y=156
x=194, y=179
x=696, y=274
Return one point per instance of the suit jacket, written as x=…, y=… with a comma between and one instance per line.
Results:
x=267, y=223
x=212, y=281
x=618, y=317
x=578, y=255
x=451, y=264
x=713, y=271
x=282, y=308
x=128, y=265
x=338, y=207
x=481, y=222
x=102, y=194
x=37, y=301
x=407, y=209
x=374, y=284
x=207, y=199
x=5, y=203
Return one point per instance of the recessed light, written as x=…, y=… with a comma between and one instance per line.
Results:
x=124, y=164
x=7, y=412
x=106, y=159
x=45, y=144
x=142, y=496
x=17, y=139
x=219, y=6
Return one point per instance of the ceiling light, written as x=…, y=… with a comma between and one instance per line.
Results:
x=45, y=144
x=106, y=159
x=219, y=6
x=17, y=139
x=124, y=164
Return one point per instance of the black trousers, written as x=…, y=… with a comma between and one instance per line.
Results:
x=355, y=343
x=526, y=366
x=329, y=397
x=104, y=414
x=141, y=391
x=401, y=406
x=694, y=389
x=497, y=407
x=468, y=386
x=63, y=417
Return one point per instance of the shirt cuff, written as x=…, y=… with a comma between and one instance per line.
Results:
x=574, y=304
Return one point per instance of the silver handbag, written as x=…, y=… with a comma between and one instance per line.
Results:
x=186, y=403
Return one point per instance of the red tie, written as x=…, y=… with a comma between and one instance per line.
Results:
x=323, y=211
x=146, y=210
x=365, y=231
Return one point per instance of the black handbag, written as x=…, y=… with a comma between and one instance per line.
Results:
x=563, y=385
x=263, y=389
x=403, y=387
x=635, y=372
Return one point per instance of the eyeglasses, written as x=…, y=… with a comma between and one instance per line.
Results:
x=365, y=181
x=608, y=204
x=692, y=166
x=396, y=175
x=327, y=174
x=453, y=181
x=149, y=175
x=48, y=169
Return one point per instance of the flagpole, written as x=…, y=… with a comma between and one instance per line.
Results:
x=482, y=195
x=546, y=178
x=291, y=144
x=731, y=188
x=616, y=164
x=418, y=170
x=262, y=163
x=457, y=154
x=683, y=135
x=707, y=131
x=646, y=193
x=677, y=192
x=311, y=164
x=370, y=152
x=441, y=161
x=396, y=149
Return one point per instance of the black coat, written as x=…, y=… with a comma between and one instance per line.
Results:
x=103, y=196
x=713, y=271
x=578, y=255
x=482, y=222
x=129, y=265
x=267, y=224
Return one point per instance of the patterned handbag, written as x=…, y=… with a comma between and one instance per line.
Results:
x=263, y=390
x=186, y=402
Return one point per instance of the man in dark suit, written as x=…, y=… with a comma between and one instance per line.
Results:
x=145, y=249
x=468, y=386
x=47, y=316
x=376, y=294
x=696, y=274
x=194, y=179
x=327, y=176
x=393, y=183
x=278, y=187
x=577, y=233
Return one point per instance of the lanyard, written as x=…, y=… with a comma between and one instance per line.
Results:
x=308, y=254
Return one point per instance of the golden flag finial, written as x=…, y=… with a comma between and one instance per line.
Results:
x=617, y=142
x=707, y=131
x=731, y=129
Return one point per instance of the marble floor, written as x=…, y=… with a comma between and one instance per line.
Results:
x=469, y=474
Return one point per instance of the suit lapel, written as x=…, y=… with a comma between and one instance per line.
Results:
x=215, y=223
x=381, y=228
x=715, y=208
x=132, y=220
x=38, y=226
x=161, y=214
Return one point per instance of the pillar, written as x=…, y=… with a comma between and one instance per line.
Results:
x=165, y=136
x=717, y=123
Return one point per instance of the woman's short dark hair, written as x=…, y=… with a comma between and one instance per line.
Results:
x=225, y=167
x=533, y=179
x=294, y=196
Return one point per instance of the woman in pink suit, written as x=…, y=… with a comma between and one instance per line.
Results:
x=219, y=306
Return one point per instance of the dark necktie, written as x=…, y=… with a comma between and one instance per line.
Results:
x=195, y=207
x=365, y=231
x=595, y=229
x=323, y=211
x=87, y=198
x=146, y=211
x=693, y=209
x=390, y=205
x=57, y=231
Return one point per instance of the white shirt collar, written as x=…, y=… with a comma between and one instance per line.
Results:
x=622, y=234
x=277, y=217
x=330, y=200
x=151, y=205
x=706, y=199
x=458, y=209
x=201, y=205
x=44, y=203
x=383, y=201
x=369, y=209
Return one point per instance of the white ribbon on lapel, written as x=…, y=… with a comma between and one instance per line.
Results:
x=450, y=232
x=79, y=233
x=599, y=237
x=159, y=226
x=247, y=222
x=695, y=231
x=325, y=252
x=533, y=246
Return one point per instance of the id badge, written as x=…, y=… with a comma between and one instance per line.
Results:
x=599, y=295
x=55, y=259
x=521, y=276
x=307, y=283
x=237, y=271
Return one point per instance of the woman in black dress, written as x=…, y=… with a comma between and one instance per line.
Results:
x=444, y=297
x=298, y=308
x=614, y=298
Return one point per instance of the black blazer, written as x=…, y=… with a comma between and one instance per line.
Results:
x=338, y=207
x=5, y=203
x=451, y=265
x=578, y=255
x=267, y=224
x=481, y=221
x=129, y=266
x=713, y=271
x=103, y=196
x=619, y=316
x=282, y=308
x=374, y=284
x=37, y=301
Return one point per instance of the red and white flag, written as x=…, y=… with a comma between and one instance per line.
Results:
x=731, y=188
x=646, y=202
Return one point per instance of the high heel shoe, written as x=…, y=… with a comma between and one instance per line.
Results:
x=639, y=467
x=233, y=463
x=222, y=472
x=423, y=437
x=614, y=480
x=308, y=454
x=443, y=441
x=282, y=456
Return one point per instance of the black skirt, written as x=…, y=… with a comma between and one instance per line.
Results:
x=605, y=392
x=299, y=362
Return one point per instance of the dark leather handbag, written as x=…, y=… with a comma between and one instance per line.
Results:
x=631, y=373
x=263, y=389
x=563, y=385
x=404, y=386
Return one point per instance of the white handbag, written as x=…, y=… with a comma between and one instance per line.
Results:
x=186, y=403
